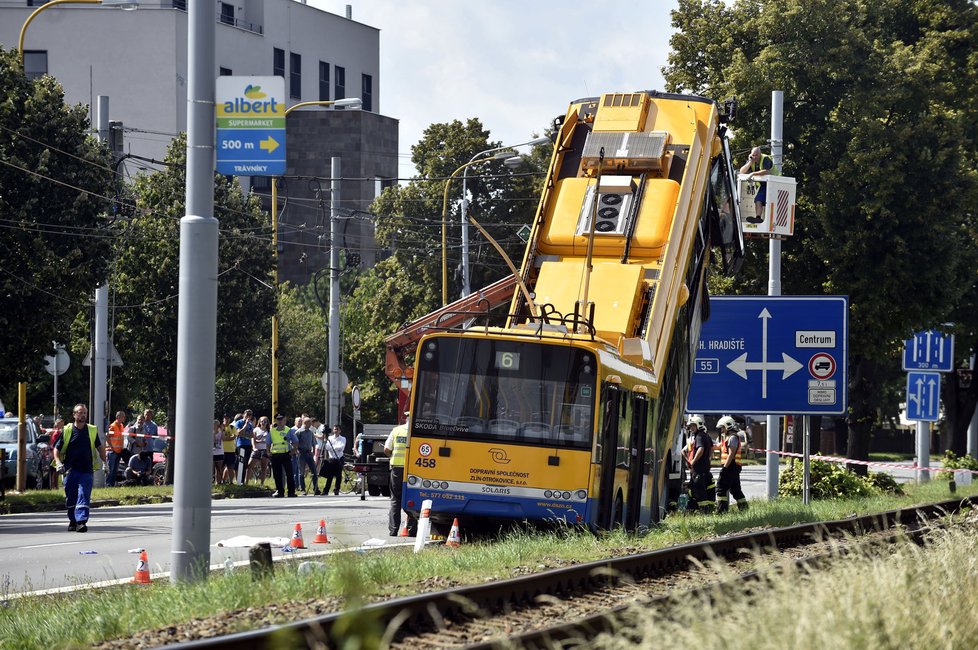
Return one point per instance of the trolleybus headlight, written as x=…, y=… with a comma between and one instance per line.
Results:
x=426, y=483
x=548, y=494
x=565, y=495
x=444, y=485
x=581, y=494
x=432, y=345
x=412, y=480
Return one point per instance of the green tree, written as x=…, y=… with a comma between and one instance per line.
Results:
x=302, y=346
x=407, y=285
x=880, y=109
x=54, y=185
x=145, y=282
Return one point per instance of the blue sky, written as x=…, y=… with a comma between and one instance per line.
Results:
x=515, y=64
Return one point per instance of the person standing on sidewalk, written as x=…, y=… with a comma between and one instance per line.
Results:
x=244, y=427
x=306, y=438
x=78, y=454
x=281, y=445
x=116, y=443
x=332, y=467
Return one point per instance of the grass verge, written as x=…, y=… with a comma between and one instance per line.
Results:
x=900, y=596
x=229, y=602
x=49, y=500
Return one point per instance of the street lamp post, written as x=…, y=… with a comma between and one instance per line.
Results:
x=466, y=272
x=100, y=341
x=350, y=102
x=444, y=220
x=122, y=4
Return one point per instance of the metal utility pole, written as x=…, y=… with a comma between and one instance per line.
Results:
x=197, y=315
x=100, y=355
x=774, y=288
x=923, y=451
x=973, y=428
x=333, y=395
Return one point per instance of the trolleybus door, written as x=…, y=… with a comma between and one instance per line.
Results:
x=608, y=446
x=636, y=468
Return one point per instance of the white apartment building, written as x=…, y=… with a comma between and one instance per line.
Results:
x=139, y=58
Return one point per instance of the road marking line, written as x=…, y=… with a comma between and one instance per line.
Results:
x=52, y=544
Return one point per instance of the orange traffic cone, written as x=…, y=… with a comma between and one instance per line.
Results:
x=321, y=537
x=142, y=570
x=454, y=540
x=404, y=531
x=296, y=541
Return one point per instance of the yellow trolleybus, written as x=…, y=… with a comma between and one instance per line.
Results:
x=571, y=411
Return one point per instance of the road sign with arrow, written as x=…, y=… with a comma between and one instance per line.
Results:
x=923, y=396
x=772, y=354
x=250, y=126
x=929, y=350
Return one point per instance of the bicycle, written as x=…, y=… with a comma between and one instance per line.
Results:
x=350, y=480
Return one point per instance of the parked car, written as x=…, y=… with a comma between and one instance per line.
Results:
x=373, y=463
x=37, y=452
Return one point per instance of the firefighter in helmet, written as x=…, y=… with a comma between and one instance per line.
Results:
x=730, y=465
x=698, y=456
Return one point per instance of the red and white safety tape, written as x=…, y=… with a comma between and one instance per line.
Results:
x=849, y=461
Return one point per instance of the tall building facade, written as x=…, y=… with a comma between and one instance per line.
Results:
x=139, y=60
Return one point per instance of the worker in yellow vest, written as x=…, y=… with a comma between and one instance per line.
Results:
x=77, y=454
x=281, y=443
x=759, y=164
x=395, y=447
x=730, y=466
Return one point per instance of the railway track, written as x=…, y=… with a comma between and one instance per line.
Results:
x=486, y=615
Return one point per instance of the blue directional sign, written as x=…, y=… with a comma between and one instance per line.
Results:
x=929, y=350
x=772, y=355
x=250, y=126
x=923, y=396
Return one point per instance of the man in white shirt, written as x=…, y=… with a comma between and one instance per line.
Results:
x=332, y=456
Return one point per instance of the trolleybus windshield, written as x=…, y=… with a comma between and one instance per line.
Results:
x=501, y=390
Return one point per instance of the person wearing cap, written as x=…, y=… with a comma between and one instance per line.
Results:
x=245, y=427
x=396, y=448
x=281, y=443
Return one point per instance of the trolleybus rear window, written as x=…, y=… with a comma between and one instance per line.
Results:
x=513, y=391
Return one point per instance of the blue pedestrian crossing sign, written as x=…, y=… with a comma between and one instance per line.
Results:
x=923, y=396
x=929, y=350
x=773, y=355
x=250, y=126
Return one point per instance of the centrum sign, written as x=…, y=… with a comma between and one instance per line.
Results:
x=251, y=126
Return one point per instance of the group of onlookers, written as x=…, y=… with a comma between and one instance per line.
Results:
x=133, y=446
x=129, y=446
x=264, y=447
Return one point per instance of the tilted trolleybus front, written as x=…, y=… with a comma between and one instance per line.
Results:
x=571, y=410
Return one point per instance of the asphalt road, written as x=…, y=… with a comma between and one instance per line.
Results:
x=38, y=552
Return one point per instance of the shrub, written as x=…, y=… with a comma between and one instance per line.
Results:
x=953, y=461
x=885, y=483
x=828, y=481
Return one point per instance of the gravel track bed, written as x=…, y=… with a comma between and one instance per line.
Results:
x=549, y=610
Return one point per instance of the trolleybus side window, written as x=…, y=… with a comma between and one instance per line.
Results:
x=515, y=391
